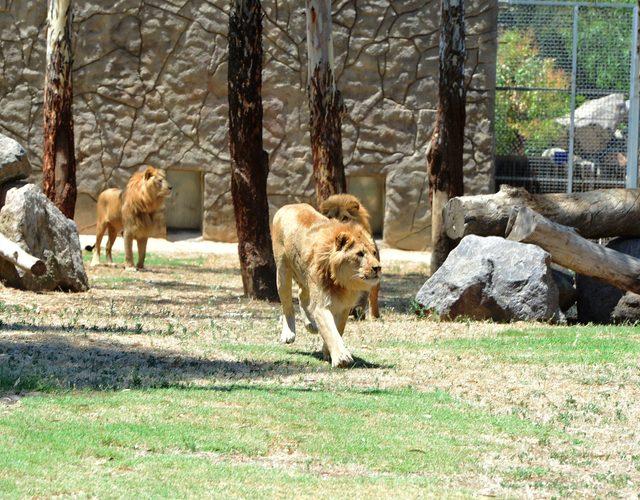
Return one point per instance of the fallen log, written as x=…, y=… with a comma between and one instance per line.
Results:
x=571, y=250
x=11, y=252
x=594, y=214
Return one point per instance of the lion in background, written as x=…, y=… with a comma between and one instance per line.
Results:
x=346, y=208
x=333, y=263
x=131, y=211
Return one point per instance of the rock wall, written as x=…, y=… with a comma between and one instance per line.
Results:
x=150, y=87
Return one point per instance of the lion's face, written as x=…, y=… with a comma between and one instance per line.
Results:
x=343, y=207
x=156, y=182
x=354, y=261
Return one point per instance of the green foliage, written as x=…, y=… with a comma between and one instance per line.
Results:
x=525, y=120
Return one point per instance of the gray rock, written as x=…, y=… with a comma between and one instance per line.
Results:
x=627, y=309
x=35, y=223
x=596, y=122
x=566, y=283
x=493, y=278
x=14, y=164
x=599, y=302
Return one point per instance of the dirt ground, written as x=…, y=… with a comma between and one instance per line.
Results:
x=185, y=321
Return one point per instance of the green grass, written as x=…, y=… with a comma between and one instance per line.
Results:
x=151, y=259
x=183, y=441
x=588, y=345
x=571, y=345
x=170, y=383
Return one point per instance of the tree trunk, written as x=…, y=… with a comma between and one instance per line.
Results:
x=325, y=103
x=59, y=161
x=571, y=250
x=444, y=156
x=594, y=214
x=13, y=253
x=249, y=162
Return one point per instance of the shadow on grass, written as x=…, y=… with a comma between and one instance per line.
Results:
x=398, y=289
x=357, y=361
x=57, y=363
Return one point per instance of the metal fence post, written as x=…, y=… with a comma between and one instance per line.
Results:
x=634, y=108
x=574, y=75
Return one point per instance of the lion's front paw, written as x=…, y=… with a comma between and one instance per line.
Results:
x=287, y=337
x=131, y=269
x=288, y=334
x=342, y=360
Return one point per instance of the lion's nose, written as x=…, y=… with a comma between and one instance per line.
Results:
x=377, y=269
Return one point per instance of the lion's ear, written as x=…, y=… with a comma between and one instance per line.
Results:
x=148, y=173
x=343, y=240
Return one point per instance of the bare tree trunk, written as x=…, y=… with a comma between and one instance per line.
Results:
x=249, y=162
x=444, y=156
x=59, y=161
x=325, y=103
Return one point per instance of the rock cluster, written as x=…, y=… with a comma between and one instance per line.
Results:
x=31, y=220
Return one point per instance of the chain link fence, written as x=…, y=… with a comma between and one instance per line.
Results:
x=566, y=99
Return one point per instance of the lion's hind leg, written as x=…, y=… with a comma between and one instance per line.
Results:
x=112, y=234
x=305, y=303
x=285, y=282
x=100, y=230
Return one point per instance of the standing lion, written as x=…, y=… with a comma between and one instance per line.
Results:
x=345, y=208
x=132, y=212
x=333, y=263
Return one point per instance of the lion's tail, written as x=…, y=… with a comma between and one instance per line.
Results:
x=89, y=248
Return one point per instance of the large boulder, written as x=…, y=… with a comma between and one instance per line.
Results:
x=493, y=278
x=599, y=302
x=596, y=121
x=14, y=164
x=31, y=220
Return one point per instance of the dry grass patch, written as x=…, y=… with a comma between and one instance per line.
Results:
x=166, y=381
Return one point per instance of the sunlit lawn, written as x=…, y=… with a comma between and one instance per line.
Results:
x=169, y=383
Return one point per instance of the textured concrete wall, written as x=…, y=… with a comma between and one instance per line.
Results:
x=150, y=87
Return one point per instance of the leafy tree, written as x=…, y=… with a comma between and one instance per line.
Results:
x=525, y=119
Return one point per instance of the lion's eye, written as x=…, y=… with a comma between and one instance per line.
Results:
x=360, y=253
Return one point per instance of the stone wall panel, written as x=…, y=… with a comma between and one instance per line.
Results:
x=150, y=81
